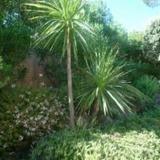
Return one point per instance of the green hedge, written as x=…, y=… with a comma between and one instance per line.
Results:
x=135, y=139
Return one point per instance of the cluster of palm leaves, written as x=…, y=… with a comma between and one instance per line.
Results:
x=104, y=85
x=58, y=18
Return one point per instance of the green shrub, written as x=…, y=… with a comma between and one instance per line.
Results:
x=135, y=139
x=4, y=77
x=26, y=115
x=149, y=85
x=15, y=42
x=140, y=68
x=104, y=86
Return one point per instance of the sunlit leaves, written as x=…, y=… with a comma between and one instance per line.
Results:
x=58, y=18
x=104, y=84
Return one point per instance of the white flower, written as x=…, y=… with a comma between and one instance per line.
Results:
x=21, y=96
x=20, y=138
x=33, y=129
x=40, y=75
x=5, y=145
x=31, y=118
x=13, y=86
x=44, y=122
x=46, y=102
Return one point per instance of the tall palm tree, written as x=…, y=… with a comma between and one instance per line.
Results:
x=62, y=23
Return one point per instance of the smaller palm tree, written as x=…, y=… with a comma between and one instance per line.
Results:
x=104, y=87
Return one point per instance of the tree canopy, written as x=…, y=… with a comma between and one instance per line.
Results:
x=152, y=3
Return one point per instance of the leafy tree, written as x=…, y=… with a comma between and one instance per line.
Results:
x=63, y=23
x=152, y=3
x=152, y=41
x=15, y=41
x=8, y=6
x=98, y=13
x=117, y=37
x=14, y=34
x=136, y=36
x=134, y=49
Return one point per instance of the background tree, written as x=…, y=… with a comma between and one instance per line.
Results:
x=152, y=3
x=98, y=13
x=14, y=40
x=152, y=41
x=134, y=47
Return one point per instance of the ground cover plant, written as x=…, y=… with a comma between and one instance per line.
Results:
x=134, y=138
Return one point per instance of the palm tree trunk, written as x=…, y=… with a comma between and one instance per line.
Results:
x=70, y=89
x=95, y=109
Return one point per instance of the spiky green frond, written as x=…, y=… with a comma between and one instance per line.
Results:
x=59, y=18
x=104, y=84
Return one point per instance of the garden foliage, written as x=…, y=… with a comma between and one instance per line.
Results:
x=136, y=138
x=103, y=82
x=26, y=115
x=104, y=86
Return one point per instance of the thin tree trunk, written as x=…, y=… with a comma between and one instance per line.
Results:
x=70, y=90
x=95, y=109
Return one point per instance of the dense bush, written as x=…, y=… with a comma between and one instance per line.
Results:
x=15, y=42
x=4, y=74
x=140, y=68
x=149, y=85
x=26, y=116
x=137, y=138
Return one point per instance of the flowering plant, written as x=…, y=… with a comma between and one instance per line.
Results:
x=31, y=115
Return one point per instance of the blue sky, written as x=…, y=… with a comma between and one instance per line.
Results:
x=133, y=15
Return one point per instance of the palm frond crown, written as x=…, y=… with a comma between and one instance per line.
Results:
x=60, y=18
x=104, y=84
